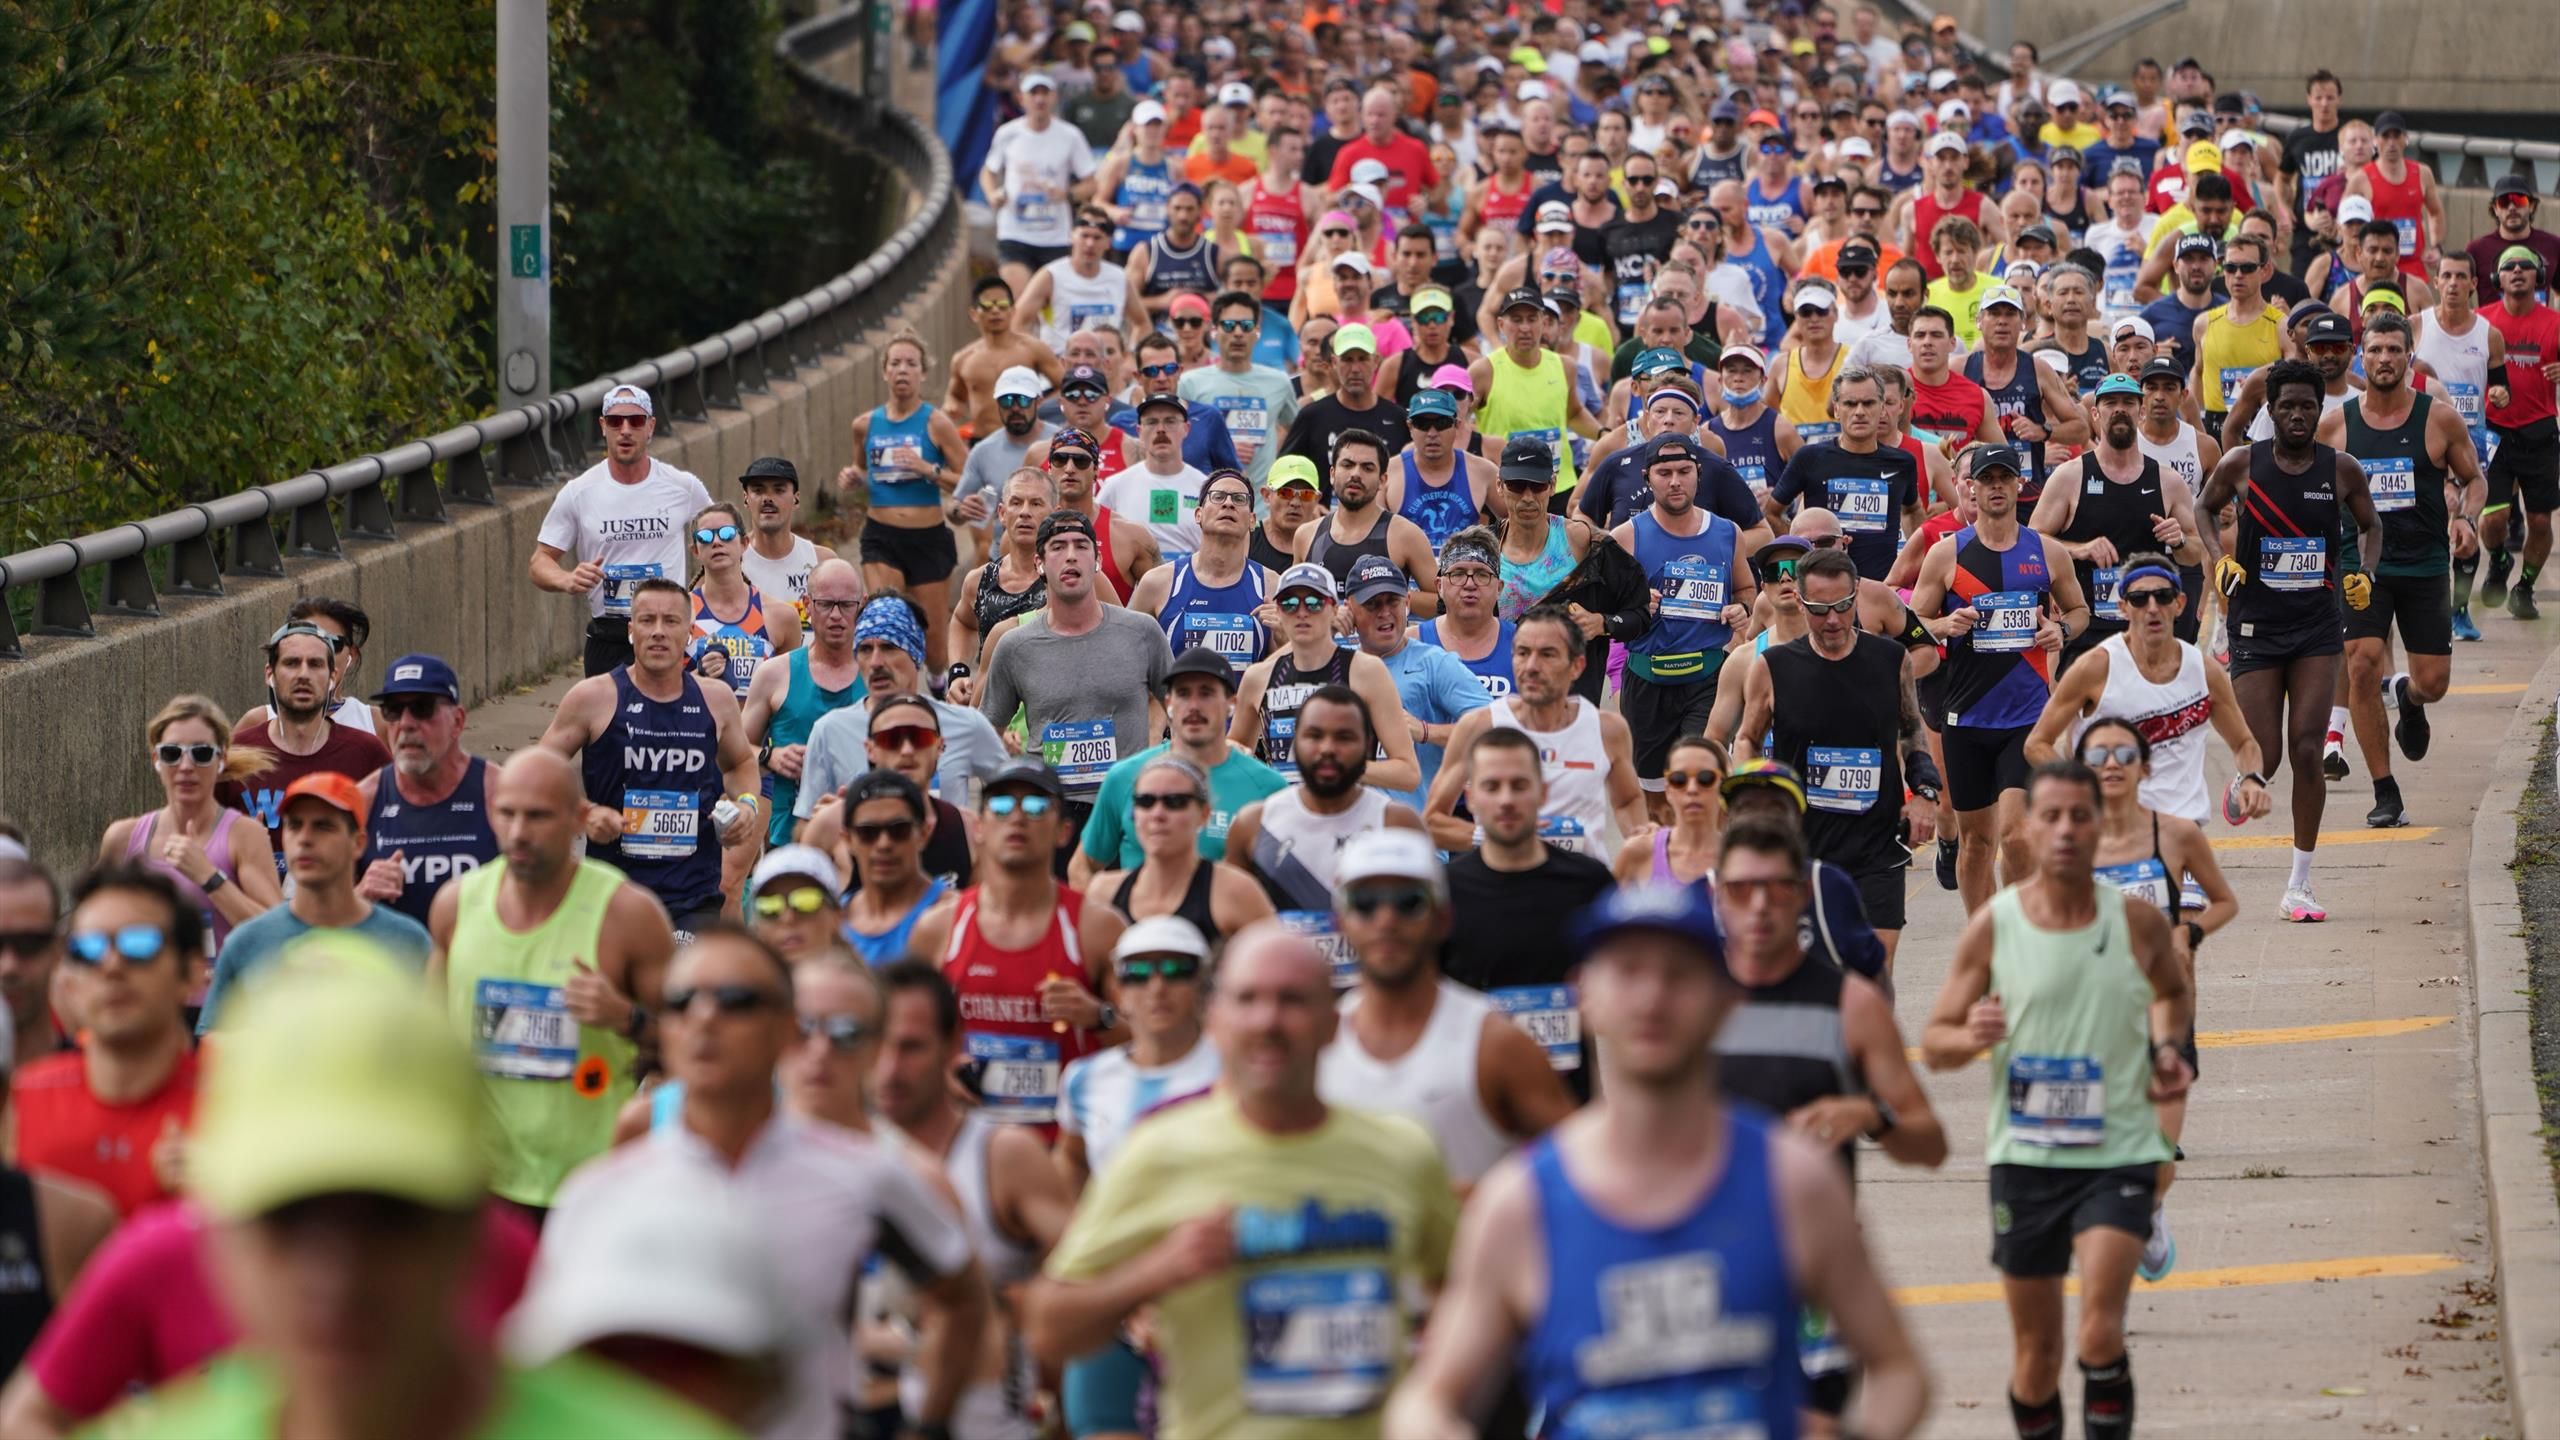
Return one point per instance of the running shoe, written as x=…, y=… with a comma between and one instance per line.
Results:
x=2333, y=759
x=2493, y=581
x=2221, y=643
x=2463, y=629
x=2520, y=604
x=2297, y=907
x=2232, y=814
x=1946, y=864
x=2160, y=1252
x=2412, y=730
x=2386, y=813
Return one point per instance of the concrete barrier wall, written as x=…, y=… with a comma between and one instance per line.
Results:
x=72, y=712
x=2486, y=55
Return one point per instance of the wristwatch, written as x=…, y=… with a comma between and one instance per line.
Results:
x=1926, y=792
x=1885, y=1118
x=213, y=882
x=1109, y=1017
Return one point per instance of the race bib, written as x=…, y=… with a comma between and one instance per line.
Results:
x=2293, y=564
x=1081, y=753
x=1038, y=212
x=1843, y=780
x=1551, y=1016
x=1248, y=424
x=1318, y=1343
x=2146, y=880
x=1017, y=1077
x=523, y=1031
x=2408, y=228
x=1814, y=432
x=1234, y=636
x=2008, y=623
x=2056, y=1102
x=1631, y=298
x=1865, y=507
x=2466, y=401
x=1279, y=247
x=621, y=580
x=1093, y=317
x=1318, y=926
x=2104, y=601
x=1565, y=833
x=1754, y=473
x=1692, y=589
x=2393, y=481
x=1280, y=744
x=2232, y=378
x=660, y=824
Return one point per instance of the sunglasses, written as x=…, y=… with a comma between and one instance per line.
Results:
x=25, y=942
x=993, y=307
x=1554, y=275
x=1827, y=542
x=626, y=422
x=199, y=753
x=1835, y=607
x=2125, y=754
x=1158, y=372
x=1074, y=460
x=2240, y=267
x=1301, y=604
x=1239, y=327
x=406, y=707
x=137, y=944
x=1015, y=402
x=805, y=900
x=707, y=536
x=1177, y=800
x=844, y=1033
x=897, y=832
x=1523, y=487
x=1777, y=570
x=1184, y=322
x=1431, y=317
x=2145, y=599
x=1029, y=805
x=1430, y=423
x=894, y=738
x=1337, y=234
x=725, y=999
x=1161, y=967
x=1407, y=901
x=1683, y=779
x=1746, y=892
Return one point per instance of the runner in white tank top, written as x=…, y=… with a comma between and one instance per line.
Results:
x=786, y=577
x=2176, y=717
x=1435, y=1082
x=997, y=1408
x=2177, y=456
x=1294, y=854
x=1576, y=761
x=2461, y=362
x=1076, y=303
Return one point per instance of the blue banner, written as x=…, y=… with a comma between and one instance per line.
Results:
x=964, y=109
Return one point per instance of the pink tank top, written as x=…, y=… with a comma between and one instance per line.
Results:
x=1662, y=857
x=217, y=848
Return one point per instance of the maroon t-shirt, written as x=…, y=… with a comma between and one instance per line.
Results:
x=348, y=751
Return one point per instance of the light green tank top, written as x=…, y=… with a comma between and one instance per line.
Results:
x=1532, y=402
x=2071, y=1083
x=554, y=1086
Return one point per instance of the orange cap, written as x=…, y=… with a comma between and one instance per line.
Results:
x=332, y=788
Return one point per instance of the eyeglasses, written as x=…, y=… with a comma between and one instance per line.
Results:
x=1233, y=498
x=1407, y=901
x=406, y=707
x=725, y=999
x=1431, y=317
x=1029, y=805
x=834, y=607
x=199, y=753
x=803, y=900
x=1834, y=607
x=1177, y=800
x=626, y=422
x=1159, y=967
x=894, y=738
x=2145, y=599
x=1238, y=327
x=844, y=1033
x=1684, y=779
x=1160, y=371
x=1468, y=576
x=1777, y=570
x=25, y=942
x=707, y=536
x=2127, y=754
x=2240, y=267
x=1301, y=604
x=896, y=832
x=136, y=944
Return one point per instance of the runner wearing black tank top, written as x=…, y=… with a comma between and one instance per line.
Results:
x=2283, y=589
x=1169, y=802
x=2113, y=502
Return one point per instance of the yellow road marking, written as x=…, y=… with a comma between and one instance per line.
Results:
x=2305, y=1034
x=2327, y=837
x=2291, y=1272
x=2485, y=690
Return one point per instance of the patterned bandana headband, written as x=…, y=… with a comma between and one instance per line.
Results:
x=888, y=618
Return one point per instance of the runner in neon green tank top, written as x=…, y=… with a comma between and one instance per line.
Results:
x=2080, y=997
x=1525, y=390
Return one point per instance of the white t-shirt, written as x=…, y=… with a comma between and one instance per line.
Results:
x=635, y=531
x=1848, y=329
x=1168, y=505
x=786, y=579
x=1023, y=159
x=1729, y=285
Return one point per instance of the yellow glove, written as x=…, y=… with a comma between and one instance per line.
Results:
x=2359, y=590
x=2229, y=575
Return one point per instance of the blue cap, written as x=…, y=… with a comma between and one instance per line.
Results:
x=1682, y=912
x=1658, y=360
x=2119, y=385
x=1432, y=402
x=421, y=675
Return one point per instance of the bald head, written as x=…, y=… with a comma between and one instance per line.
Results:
x=1271, y=1014
x=1814, y=523
x=542, y=773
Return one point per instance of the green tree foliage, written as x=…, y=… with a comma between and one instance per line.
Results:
x=240, y=238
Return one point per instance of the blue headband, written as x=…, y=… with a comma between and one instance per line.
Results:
x=2125, y=581
x=888, y=618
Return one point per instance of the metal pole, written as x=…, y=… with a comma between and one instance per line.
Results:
x=1999, y=27
x=524, y=201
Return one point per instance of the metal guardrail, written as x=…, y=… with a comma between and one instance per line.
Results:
x=532, y=445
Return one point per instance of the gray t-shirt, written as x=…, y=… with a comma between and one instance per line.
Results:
x=1084, y=697
x=992, y=459
x=971, y=750
x=1259, y=407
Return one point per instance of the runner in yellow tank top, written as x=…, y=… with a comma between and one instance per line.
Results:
x=1524, y=389
x=1804, y=392
x=2235, y=339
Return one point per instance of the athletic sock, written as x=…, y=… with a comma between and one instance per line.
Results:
x=2386, y=788
x=2337, y=722
x=2464, y=572
x=2301, y=877
x=2391, y=689
x=2037, y=1422
x=2524, y=576
x=2106, y=1400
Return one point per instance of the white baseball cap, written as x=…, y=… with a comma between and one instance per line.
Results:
x=1038, y=80
x=1533, y=90
x=1368, y=172
x=675, y=1254
x=1818, y=297
x=1218, y=47
x=1390, y=855
x=1593, y=53
x=1747, y=353
x=1665, y=186
x=808, y=862
x=1954, y=111
x=1945, y=141
x=1162, y=935
x=2133, y=325
x=2229, y=138
x=628, y=395
x=1941, y=78
x=1234, y=92
x=1020, y=381
x=1129, y=21
x=2065, y=92
x=1377, y=199
x=2003, y=295
x=1856, y=148
x=2355, y=207
x=1352, y=260
x=1149, y=112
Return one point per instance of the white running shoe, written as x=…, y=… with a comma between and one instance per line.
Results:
x=2298, y=907
x=2160, y=1252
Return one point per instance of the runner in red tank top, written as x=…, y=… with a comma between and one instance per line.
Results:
x=1277, y=219
x=1077, y=483
x=1025, y=953
x=2402, y=203
x=1943, y=194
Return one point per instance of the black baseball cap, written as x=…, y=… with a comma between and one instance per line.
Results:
x=1061, y=521
x=1165, y=401
x=771, y=467
x=2196, y=242
x=1673, y=447
x=2330, y=329
x=2513, y=183
x=1522, y=297
x=2389, y=121
x=1084, y=377
x=1999, y=457
x=1024, y=770
x=2164, y=367
x=1201, y=660
x=1525, y=457
x=1856, y=252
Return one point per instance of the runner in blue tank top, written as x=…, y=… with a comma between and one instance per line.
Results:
x=1444, y=509
x=1757, y=439
x=1470, y=620
x=893, y=452
x=1643, y=1267
x=428, y=810
x=1220, y=617
x=1142, y=193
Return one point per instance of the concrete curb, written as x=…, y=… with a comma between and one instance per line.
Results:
x=2524, y=1213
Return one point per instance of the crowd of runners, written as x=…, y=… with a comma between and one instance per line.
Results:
x=1332, y=860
